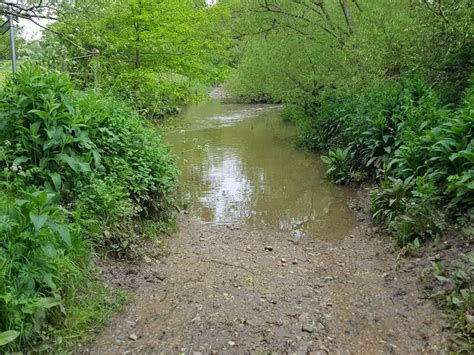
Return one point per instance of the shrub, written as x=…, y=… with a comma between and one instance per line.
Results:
x=153, y=95
x=43, y=133
x=422, y=153
x=41, y=257
x=445, y=154
x=100, y=155
x=94, y=170
x=408, y=208
x=390, y=199
x=132, y=155
x=419, y=221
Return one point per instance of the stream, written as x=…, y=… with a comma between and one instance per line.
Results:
x=239, y=165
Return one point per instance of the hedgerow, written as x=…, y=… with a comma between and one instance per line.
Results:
x=78, y=170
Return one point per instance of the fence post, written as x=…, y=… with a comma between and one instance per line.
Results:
x=12, y=43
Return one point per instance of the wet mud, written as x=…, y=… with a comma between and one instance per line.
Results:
x=231, y=289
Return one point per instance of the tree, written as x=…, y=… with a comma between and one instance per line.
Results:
x=29, y=9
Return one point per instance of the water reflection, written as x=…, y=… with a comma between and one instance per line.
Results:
x=239, y=165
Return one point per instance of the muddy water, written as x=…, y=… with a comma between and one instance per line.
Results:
x=240, y=165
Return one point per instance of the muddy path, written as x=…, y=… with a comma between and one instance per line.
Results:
x=231, y=289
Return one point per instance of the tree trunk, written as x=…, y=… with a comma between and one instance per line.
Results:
x=137, y=28
x=347, y=15
x=359, y=7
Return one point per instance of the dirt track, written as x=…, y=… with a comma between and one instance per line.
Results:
x=227, y=289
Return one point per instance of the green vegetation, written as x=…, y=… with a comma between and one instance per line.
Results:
x=453, y=290
x=156, y=55
x=77, y=170
x=81, y=169
x=384, y=90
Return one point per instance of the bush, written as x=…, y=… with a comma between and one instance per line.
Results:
x=445, y=154
x=45, y=138
x=94, y=171
x=98, y=154
x=390, y=199
x=408, y=208
x=132, y=154
x=153, y=95
x=422, y=153
x=41, y=257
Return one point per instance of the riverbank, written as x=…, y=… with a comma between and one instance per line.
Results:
x=228, y=288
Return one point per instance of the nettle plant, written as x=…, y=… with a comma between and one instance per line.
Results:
x=101, y=157
x=46, y=136
x=40, y=260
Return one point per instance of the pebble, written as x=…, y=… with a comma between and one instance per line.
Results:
x=308, y=328
x=268, y=248
x=231, y=343
x=295, y=262
x=133, y=337
x=283, y=260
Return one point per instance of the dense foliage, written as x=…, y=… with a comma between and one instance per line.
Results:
x=384, y=104
x=157, y=55
x=76, y=170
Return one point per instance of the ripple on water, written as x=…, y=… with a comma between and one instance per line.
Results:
x=240, y=165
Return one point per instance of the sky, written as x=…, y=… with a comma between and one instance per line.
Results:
x=30, y=30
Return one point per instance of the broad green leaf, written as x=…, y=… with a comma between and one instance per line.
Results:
x=21, y=202
x=48, y=280
x=41, y=303
x=75, y=163
x=8, y=336
x=63, y=231
x=34, y=128
x=38, y=220
x=20, y=160
x=441, y=278
x=56, y=179
x=49, y=250
x=326, y=159
x=48, y=302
